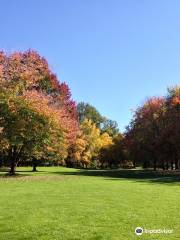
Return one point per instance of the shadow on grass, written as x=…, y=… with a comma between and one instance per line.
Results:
x=135, y=175
x=4, y=173
x=8, y=175
x=161, y=177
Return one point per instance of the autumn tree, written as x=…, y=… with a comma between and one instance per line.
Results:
x=87, y=145
x=27, y=75
x=112, y=153
x=171, y=131
x=105, y=156
x=26, y=71
x=144, y=132
x=25, y=128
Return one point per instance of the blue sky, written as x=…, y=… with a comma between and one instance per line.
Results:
x=112, y=53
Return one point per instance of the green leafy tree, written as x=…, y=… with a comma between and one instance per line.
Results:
x=110, y=127
x=25, y=128
x=87, y=111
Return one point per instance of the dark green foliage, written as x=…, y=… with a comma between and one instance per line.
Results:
x=87, y=111
x=110, y=126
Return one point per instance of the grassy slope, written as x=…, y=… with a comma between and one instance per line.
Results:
x=61, y=203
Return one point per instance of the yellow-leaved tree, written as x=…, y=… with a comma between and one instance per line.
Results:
x=86, y=148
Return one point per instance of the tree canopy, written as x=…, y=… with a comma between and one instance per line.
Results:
x=37, y=112
x=152, y=137
x=39, y=121
x=87, y=111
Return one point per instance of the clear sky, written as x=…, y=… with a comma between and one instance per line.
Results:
x=112, y=53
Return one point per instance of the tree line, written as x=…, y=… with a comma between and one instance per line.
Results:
x=40, y=123
x=152, y=138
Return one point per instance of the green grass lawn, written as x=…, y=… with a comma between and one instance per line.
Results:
x=61, y=203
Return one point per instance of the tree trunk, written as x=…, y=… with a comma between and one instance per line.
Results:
x=1, y=163
x=155, y=165
x=13, y=159
x=134, y=163
x=34, y=168
x=13, y=167
x=167, y=165
x=163, y=165
x=176, y=164
x=171, y=165
x=34, y=165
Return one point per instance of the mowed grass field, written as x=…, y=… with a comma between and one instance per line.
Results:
x=68, y=204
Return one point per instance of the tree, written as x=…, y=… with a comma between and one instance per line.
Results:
x=87, y=145
x=28, y=80
x=25, y=128
x=92, y=137
x=106, y=143
x=144, y=133
x=112, y=153
x=78, y=152
x=87, y=111
x=110, y=127
x=171, y=131
x=28, y=71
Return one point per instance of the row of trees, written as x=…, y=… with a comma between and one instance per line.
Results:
x=151, y=140
x=40, y=122
x=153, y=137
x=94, y=148
x=99, y=141
x=87, y=111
